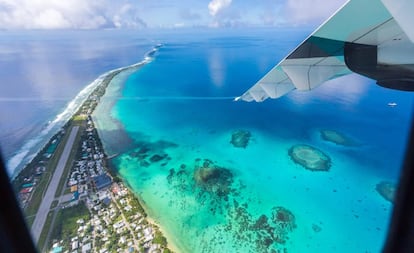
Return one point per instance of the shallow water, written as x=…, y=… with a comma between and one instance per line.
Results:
x=233, y=205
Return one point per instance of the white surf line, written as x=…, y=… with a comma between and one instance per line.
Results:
x=24, y=155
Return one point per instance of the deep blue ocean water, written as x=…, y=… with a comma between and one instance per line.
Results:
x=178, y=108
x=43, y=71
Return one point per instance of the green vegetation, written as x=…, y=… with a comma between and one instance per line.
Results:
x=65, y=226
x=45, y=231
x=67, y=191
x=62, y=224
x=68, y=165
x=54, y=204
x=39, y=160
x=160, y=239
x=136, y=206
x=113, y=242
x=78, y=119
x=36, y=199
x=41, y=187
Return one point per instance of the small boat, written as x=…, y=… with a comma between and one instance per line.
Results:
x=392, y=104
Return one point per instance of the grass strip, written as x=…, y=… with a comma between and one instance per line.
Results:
x=45, y=231
x=43, y=183
x=68, y=165
x=65, y=225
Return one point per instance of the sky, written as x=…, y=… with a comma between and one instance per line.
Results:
x=101, y=14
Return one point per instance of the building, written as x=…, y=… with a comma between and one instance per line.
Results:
x=102, y=181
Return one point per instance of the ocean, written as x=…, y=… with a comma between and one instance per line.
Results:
x=43, y=75
x=175, y=119
x=175, y=132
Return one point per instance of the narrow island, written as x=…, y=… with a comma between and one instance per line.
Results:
x=90, y=209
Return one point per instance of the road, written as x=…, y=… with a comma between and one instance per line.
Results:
x=131, y=231
x=49, y=196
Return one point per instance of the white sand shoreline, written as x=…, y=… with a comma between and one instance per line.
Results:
x=25, y=156
x=112, y=124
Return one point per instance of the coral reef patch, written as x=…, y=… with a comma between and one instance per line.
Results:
x=269, y=234
x=284, y=223
x=309, y=157
x=157, y=157
x=386, y=190
x=213, y=178
x=240, y=138
x=337, y=138
x=217, y=191
x=209, y=182
x=316, y=228
x=147, y=153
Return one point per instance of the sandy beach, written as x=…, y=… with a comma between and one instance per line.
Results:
x=104, y=122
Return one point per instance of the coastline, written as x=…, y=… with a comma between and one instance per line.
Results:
x=99, y=86
x=33, y=147
x=113, y=123
x=28, y=153
x=265, y=177
x=103, y=120
x=39, y=160
x=172, y=246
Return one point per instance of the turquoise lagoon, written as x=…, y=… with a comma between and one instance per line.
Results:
x=170, y=124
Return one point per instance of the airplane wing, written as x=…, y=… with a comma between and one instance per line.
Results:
x=373, y=38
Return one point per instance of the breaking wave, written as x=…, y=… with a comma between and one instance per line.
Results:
x=33, y=146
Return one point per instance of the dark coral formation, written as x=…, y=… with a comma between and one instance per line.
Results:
x=386, y=190
x=316, y=228
x=213, y=178
x=240, y=138
x=148, y=153
x=210, y=183
x=269, y=234
x=157, y=157
x=337, y=138
x=284, y=221
x=309, y=157
x=216, y=189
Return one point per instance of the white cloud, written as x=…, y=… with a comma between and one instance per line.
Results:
x=50, y=18
x=74, y=14
x=92, y=14
x=223, y=15
x=127, y=16
x=216, y=6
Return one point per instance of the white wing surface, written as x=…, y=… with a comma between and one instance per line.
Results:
x=373, y=38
